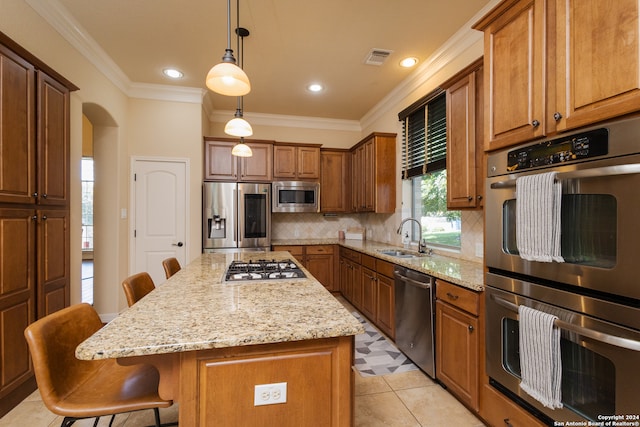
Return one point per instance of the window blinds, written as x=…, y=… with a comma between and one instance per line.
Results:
x=424, y=129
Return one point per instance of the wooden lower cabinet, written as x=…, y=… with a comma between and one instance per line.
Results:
x=385, y=316
x=369, y=293
x=320, y=260
x=457, y=341
x=218, y=386
x=499, y=411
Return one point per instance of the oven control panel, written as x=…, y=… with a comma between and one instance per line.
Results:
x=560, y=150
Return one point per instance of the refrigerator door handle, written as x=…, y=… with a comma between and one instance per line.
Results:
x=240, y=210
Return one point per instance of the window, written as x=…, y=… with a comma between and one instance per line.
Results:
x=87, y=203
x=424, y=166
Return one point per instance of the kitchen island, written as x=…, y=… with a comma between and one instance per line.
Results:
x=214, y=341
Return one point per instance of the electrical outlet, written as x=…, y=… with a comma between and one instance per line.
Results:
x=270, y=394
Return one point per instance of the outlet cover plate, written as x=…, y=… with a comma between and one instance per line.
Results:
x=270, y=394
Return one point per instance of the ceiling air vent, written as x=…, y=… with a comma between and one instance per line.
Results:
x=377, y=56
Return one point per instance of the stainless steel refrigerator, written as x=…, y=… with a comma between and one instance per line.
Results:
x=236, y=216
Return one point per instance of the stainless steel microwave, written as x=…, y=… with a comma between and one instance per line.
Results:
x=295, y=196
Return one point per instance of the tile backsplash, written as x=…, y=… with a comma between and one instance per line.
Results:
x=379, y=227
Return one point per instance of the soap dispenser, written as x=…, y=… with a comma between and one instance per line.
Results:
x=406, y=240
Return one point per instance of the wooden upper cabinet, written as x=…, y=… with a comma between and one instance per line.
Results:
x=335, y=180
x=296, y=162
x=514, y=74
x=598, y=62
x=17, y=129
x=52, y=141
x=221, y=165
x=465, y=150
x=559, y=65
x=374, y=174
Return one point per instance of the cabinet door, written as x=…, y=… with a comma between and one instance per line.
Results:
x=357, y=202
x=385, y=319
x=53, y=263
x=369, y=181
x=17, y=295
x=53, y=141
x=598, y=63
x=321, y=267
x=335, y=183
x=457, y=352
x=219, y=164
x=308, y=162
x=258, y=167
x=461, y=143
x=345, y=279
x=369, y=294
x=514, y=75
x=17, y=130
x=284, y=161
x=356, y=285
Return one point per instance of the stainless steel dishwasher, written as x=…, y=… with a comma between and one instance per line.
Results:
x=414, y=295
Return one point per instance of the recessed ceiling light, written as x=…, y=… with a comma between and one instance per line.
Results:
x=173, y=73
x=409, y=62
x=315, y=87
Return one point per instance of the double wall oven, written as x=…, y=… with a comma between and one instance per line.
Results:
x=595, y=292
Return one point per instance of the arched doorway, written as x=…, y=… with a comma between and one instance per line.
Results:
x=102, y=235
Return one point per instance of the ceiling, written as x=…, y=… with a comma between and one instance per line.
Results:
x=292, y=43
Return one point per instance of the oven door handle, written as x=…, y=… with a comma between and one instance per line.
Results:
x=628, y=169
x=590, y=333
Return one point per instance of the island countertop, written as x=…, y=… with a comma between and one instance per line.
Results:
x=196, y=310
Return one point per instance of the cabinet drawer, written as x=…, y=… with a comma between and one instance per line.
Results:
x=385, y=268
x=457, y=296
x=296, y=251
x=499, y=410
x=349, y=254
x=368, y=262
x=319, y=249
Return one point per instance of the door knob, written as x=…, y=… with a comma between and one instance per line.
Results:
x=179, y=244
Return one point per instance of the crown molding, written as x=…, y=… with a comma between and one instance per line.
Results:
x=263, y=119
x=66, y=25
x=457, y=44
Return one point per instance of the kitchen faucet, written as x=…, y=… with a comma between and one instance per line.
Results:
x=422, y=244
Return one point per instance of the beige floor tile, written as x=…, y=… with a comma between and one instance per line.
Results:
x=370, y=385
x=382, y=409
x=410, y=379
x=30, y=413
x=435, y=407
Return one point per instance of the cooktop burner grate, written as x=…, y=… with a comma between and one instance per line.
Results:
x=263, y=270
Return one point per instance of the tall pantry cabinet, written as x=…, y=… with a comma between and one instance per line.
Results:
x=34, y=208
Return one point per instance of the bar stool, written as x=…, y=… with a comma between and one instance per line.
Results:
x=171, y=266
x=77, y=389
x=137, y=286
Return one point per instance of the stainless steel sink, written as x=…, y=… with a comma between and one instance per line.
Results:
x=398, y=253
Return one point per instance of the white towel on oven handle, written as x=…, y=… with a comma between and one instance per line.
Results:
x=540, y=360
x=538, y=209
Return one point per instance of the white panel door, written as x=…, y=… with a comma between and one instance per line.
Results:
x=159, y=217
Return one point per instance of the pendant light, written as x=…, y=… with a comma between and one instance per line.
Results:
x=241, y=149
x=238, y=126
x=227, y=78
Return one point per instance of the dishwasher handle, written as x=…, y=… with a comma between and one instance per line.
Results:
x=413, y=282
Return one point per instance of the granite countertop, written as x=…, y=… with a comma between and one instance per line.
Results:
x=465, y=273
x=196, y=310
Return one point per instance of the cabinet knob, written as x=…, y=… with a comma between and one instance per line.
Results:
x=479, y=197
x=470, y=328
x=34, y=218
x=44, y=217
x=507, y=422
x=557, y=116
x=35, y=195
x=535, y=123
x=470, y=198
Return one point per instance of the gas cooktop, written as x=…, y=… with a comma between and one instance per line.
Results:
x=263, y=270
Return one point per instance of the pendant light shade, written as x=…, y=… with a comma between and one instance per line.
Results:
x=227, y=78
x=241, y=149
x=238, y=127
